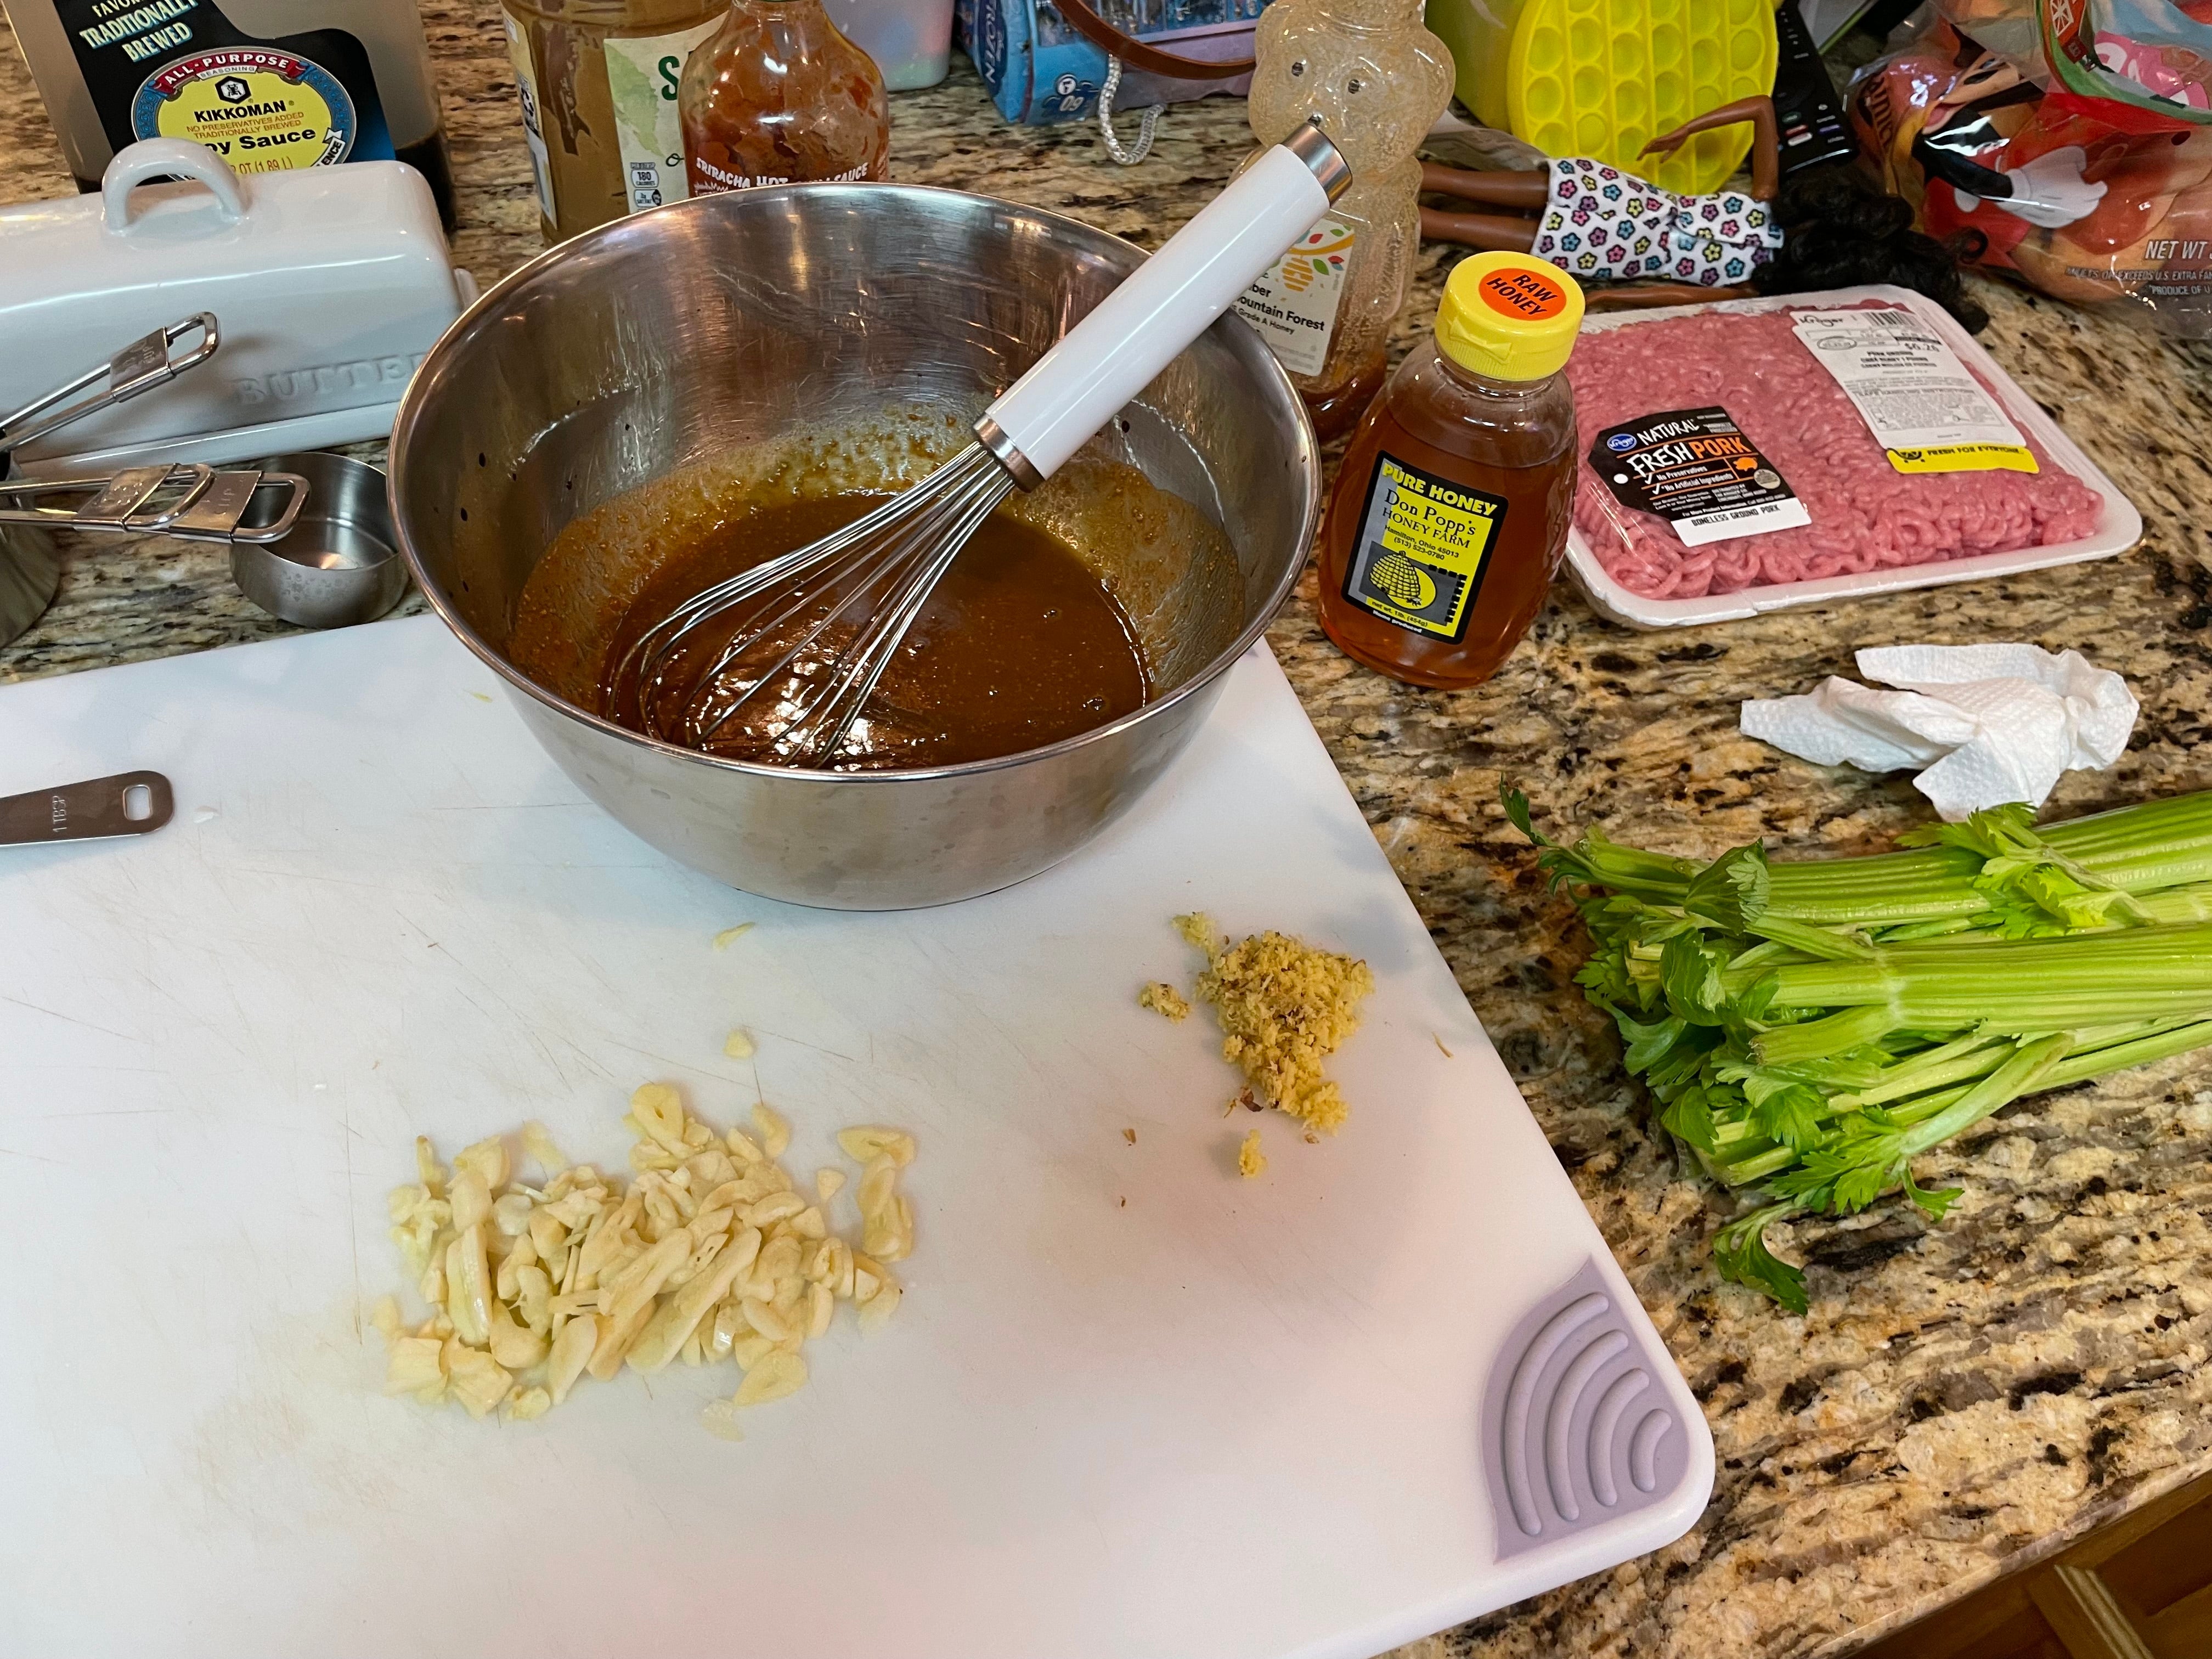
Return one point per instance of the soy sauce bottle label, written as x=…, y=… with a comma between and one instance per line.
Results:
x=1423, y=546
x=261, y=110
x=179, y=68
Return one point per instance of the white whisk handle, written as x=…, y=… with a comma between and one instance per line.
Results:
x=1113, y=354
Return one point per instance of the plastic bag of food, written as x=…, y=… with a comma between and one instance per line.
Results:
x=2154, y=54
x=2085, y=169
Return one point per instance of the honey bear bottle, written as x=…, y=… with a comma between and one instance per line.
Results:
x=1376, y=79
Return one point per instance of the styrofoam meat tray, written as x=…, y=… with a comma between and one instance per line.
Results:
x=2118, y=528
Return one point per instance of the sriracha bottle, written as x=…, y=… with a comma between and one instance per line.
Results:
x=778, y=96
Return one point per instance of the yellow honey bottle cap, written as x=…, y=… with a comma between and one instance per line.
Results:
x=1510, y=316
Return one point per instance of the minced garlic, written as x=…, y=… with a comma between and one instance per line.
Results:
x=1284, y=1007
x=708, y=1253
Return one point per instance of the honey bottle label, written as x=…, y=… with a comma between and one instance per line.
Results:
x=1294, y=302
x=1423, y=548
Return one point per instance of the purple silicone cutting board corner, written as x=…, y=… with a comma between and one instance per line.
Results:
x=1132, y=1405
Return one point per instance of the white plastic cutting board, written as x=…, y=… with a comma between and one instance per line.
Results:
x=1132, y=1406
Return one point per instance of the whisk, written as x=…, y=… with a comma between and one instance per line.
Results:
x=818, y=626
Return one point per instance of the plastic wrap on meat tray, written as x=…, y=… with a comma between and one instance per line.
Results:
x=1864, y=514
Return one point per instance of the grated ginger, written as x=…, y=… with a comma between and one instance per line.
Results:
x=1284, y=1007
x=1251, y=1160
x=1198, y=928
x=1165, y=999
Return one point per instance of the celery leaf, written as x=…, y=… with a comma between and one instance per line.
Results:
x=1740, y=1252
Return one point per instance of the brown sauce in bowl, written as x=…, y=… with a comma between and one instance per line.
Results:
x=1020, y=645
x=1076, y=603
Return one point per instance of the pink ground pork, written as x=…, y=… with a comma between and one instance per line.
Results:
x=1866, y=515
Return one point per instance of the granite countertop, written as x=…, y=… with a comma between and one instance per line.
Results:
x=1957, y=1395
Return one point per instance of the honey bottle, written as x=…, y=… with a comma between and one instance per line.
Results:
x=1449, y=516
x=1376, y=79
x=778, y=96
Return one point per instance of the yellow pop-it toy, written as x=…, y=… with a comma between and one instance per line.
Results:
x=1602, y=78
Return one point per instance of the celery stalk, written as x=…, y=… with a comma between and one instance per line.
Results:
x=1810, y=1028
x=2022, y=1073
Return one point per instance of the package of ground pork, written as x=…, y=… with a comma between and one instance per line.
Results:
x=1749, y=454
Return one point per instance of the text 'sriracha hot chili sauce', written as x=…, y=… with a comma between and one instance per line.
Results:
x=780, y=97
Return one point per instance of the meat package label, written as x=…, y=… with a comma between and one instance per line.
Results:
x=1695, y=469
x=1925, y=409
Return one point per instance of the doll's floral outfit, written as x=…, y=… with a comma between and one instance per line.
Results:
x=1601, y=224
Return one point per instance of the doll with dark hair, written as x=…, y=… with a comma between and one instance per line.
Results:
x=1827, y=227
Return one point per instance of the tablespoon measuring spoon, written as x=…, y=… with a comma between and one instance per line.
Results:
x=128, y=804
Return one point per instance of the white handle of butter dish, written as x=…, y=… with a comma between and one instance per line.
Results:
x=167, y=158
x=1170, y=300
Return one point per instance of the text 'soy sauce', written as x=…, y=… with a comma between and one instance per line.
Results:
x=1450, y=517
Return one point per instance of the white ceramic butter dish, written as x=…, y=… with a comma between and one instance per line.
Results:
x=330, y=284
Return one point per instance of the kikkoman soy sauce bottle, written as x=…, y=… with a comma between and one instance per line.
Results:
x=269, y=85
x=1450, y=514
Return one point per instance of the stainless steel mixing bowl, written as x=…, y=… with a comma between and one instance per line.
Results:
x=671, y=336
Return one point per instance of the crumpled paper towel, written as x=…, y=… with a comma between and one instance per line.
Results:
x=1990, y=723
